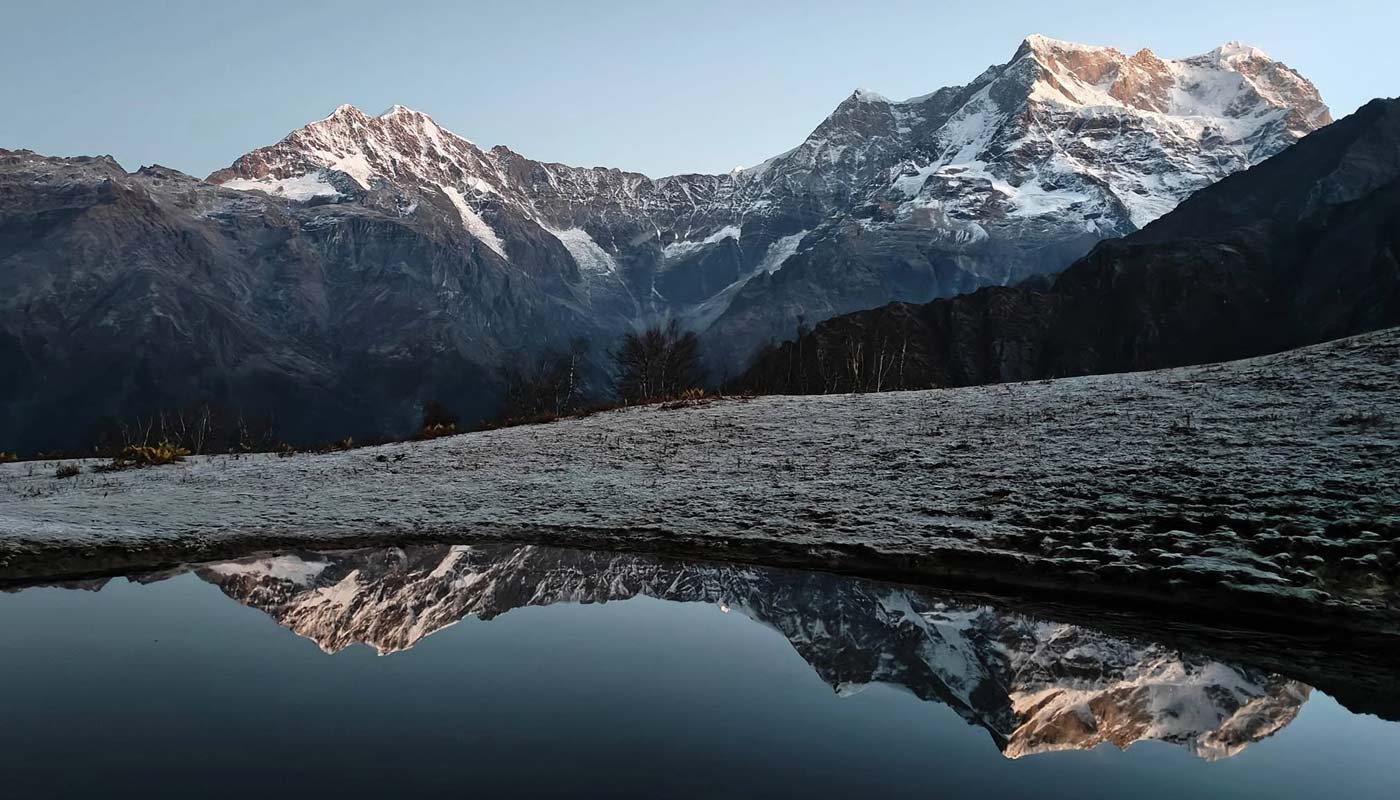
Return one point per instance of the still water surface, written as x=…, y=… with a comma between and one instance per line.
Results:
x=485, y=671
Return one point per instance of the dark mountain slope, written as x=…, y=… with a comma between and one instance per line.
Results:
x=127, y=293
x=1303, y=248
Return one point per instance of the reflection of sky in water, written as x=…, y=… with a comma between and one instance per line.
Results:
x=171, y=689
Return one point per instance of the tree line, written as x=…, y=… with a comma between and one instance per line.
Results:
x=879, y=351
x=882, y=352
x=657, y=363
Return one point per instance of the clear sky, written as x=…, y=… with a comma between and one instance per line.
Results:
x=661, y=86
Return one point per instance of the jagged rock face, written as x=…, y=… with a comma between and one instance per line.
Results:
x=366, y=264
x=1035, y=686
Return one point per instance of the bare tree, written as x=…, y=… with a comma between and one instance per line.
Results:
x=657, y=363
x=201, y=428
x=878, y=351
x=568, y=388
x=548, y=385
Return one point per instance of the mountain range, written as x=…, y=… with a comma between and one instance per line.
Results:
x=1300, y=249
x=363, y=265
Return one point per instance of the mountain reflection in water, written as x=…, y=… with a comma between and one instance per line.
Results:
x=1035, y=685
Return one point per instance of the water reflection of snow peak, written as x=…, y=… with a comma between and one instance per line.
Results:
x=1037, y=686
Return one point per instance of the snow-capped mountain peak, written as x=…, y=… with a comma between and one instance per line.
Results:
x=345, y=111
x=1238, y=51
x=862, y=95
x=401, y=150
x=1039, y=43
x=400, y=145
x=1017, y=173
x=396, y=110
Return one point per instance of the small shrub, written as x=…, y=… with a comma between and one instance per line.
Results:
x=438, y=430
x=657, y=363
x=348, y=443
x=537, y=385
x=687, y=398
x=8, y=458
x=142, y=455
x=67, y=471
x=436, y=414
x=546, y=417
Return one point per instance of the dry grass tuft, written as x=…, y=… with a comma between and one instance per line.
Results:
x=688, y=398
x=143, y=455
x=438, y=430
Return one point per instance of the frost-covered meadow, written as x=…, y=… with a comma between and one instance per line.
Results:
x=1271, y=484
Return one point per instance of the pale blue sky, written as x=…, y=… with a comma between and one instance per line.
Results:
x=660, y=87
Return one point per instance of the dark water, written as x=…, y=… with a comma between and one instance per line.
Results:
x=524, y=671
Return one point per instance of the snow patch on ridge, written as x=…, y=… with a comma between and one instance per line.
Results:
x=588, y=254
x=302, y=188
x=1231, y=52
x=473, y=222
x=705, y=314
x=356, y=166
x=867, y=96
x=1040, y=42
x=727, y=232
x=680, y=249
x=779, y=252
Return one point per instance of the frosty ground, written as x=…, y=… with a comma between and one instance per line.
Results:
x=1268, y=486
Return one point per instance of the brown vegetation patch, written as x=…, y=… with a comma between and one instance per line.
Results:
x=141, y=455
